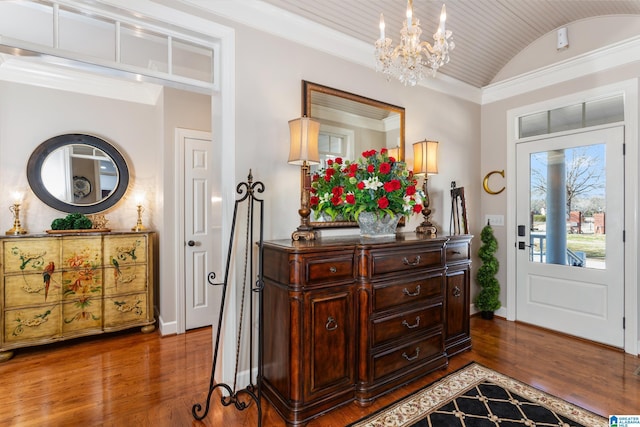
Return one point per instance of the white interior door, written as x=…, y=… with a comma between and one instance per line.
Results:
x=201, y=233
x=570, y=268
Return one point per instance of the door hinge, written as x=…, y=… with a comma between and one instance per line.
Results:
x=624, y=149
x=624, y=236
x=624, y=323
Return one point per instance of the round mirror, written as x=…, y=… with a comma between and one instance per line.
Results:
x=78, y=173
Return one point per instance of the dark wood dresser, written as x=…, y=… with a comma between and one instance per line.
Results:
x=349, y=318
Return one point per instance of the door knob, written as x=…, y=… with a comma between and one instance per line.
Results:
x=191, y=243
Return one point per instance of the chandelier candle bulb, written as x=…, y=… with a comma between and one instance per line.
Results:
x=443, y=18
x=381, y=27
x=409, y=12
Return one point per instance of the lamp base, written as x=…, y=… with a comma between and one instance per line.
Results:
x=304, y=234
x=16, y=231
x=427, y=228
x=139, y=227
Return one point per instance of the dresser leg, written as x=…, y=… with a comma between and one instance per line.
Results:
x=148, y=329
x=5, y=355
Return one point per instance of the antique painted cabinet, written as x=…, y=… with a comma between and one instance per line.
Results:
x=60, y=286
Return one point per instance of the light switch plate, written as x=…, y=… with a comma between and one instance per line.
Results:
x=494, y=220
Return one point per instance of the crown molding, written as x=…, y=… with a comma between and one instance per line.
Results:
x=605, y=58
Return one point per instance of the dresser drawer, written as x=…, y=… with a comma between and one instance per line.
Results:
x=125, y=310
x=125, y=279
x=31, y=289
x=81, y=315
x=29, y=255
x=418, y=290
x=408, y=355
x=399, y=325
x=31, y=324
x=126, y=249
x=328, y=269
x=406, y=260
x=457, y=252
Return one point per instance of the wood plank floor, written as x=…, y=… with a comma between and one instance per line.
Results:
x=133, y=379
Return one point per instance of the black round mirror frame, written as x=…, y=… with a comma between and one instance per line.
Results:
x=34, y=175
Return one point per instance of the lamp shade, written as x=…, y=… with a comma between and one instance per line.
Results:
x=425, y=158
x=304, y=141
x=394, y=152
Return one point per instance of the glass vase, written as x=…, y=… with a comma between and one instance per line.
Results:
x=372, y=225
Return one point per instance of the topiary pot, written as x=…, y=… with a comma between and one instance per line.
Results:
x=488, y=315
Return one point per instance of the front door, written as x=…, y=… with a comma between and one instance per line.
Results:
x=570, y=248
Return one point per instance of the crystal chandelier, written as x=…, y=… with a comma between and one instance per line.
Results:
x=413, y=59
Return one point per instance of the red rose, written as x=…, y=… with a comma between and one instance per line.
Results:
x=392, y=159
x=329, y=162
x=383, y=203
x=337, y=191
x=314, y=200
x=417, y=208
x=339, y=160
x=360, y=185
x=371, y=168
x=384, y=150
x=353, y=168
x=389, y=187
x=336, y=200
x=385, y=168
x=411, y=190
x=350, y=198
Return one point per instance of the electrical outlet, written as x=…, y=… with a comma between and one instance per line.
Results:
x=494, y=220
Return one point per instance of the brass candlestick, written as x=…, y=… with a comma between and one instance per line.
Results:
x=139, y=226
x=17, y=228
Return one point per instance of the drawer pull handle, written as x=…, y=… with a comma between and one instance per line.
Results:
x=412, y=294
x=333, y=269
x=331, y=324
x=456, y=252
x=415, y=325
x=405, y=261
x=456, y=292
x=411, y=358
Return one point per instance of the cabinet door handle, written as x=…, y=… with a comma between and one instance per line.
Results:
x=331, y=324
x=412, y=358
x=456, y=292
x=413, y=263
x=412, y=294
x=333, y=269
x=415, y=325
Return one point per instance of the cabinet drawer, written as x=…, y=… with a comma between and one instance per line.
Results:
x=82, y=282
x=82, y=252
x=457, y=252
x=30, y=255
x=328, y=269
x=31, y=324
x=414, y=291
x=125, y=309
x=408, y=356
x=408, y=260
x=120, y=250
x=410, y=322
x=82, y=314
x=125, y=279
x=30, y=289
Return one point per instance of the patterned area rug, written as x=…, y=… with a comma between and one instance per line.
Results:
x=475, y=396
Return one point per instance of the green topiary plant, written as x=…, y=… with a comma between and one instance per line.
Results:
x=488, y=300
x=74, y=221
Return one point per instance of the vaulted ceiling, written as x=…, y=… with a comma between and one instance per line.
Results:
x=487, y=33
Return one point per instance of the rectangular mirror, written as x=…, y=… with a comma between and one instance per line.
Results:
x=349, y=125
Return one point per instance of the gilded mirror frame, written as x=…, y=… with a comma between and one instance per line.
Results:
x=40, y=154
x=309, y=88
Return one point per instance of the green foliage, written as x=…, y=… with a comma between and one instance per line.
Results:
x=489, y=297
x=74, y=221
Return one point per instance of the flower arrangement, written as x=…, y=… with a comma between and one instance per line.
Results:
x=373, y=183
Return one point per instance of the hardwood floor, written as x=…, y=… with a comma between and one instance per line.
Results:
x=133, y=379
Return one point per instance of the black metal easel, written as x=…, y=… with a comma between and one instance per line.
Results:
x=253, y=391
